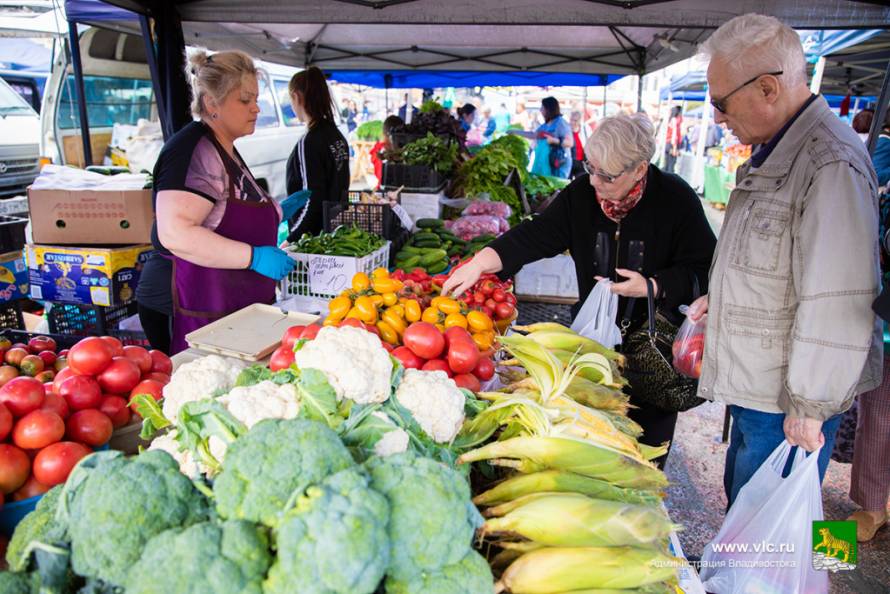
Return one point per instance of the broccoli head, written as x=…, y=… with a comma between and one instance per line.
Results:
x=432, y=518
x=471, y=575
x=39, y=526
x=208, y=558
x=15, y=583
x=112, y=506
x=273, y=463
x=334, y=541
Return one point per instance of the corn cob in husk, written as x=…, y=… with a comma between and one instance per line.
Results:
x=557, y=481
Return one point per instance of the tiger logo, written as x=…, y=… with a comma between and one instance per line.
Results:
x=833, y=545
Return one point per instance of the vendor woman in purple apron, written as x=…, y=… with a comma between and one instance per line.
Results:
x=216, y=228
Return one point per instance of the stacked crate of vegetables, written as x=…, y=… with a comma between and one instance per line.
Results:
x=433, y=247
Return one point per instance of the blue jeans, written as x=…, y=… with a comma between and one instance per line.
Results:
x=755, y=435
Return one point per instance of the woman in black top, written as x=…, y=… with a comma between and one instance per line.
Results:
x=320, y=161
x=625, y=220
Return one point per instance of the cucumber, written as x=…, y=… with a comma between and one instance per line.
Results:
x=425, y=235
x=428, y=244
x=433, y=256
x=409, y=263
x=430, y=223
x=437, y=267
x=410, y=249
x=455, y=251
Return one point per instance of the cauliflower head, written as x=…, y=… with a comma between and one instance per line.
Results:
x=470, y=575
x=273, y=462
x=207, y=558
x=202, y=378
x=354, y=362
x=435, y=402
x=187, y=463
x=265, y=400
x=432, y=519
x=334, y=541
x=112, y=505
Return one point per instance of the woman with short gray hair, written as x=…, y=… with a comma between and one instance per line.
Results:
x=625, y=220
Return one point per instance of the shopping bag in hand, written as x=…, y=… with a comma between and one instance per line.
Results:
x=596, y=320
x=771, y=513
x=689, y=345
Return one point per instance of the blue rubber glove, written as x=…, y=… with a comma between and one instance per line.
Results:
x=294, y=202
x=271, y=261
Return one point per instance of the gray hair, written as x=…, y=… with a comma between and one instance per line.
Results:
x=621, y=141
x=754, y=44
x=216, y=75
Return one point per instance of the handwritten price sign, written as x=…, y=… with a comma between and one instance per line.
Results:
x=329, y=275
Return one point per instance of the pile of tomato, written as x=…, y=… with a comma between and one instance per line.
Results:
x=453, y=351
x=57, y=407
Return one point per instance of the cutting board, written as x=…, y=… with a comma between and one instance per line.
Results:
x=250, y=334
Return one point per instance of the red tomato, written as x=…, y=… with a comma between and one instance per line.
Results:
x=53, y=464
x=478, y=298
x=503, y=311
x=511, y=299
x=63, y=353
x=140, y=357
x=22, y=395
x=31, y=488
x=424, y=340
x=310, y=332
x=499, y=295
x=491, y=304
x=38, y=429
x=60, y=364
x=160, y=362
x=389, y=348
x=291, y=335
x=373, y=329
x=80, y=392
x=408, y=358
x=90, y=356
x=15, y=355
x=117, y=347
x=46, y=377
x=60, y=378
x=39, y=344
x=437, y=365
x=14, y=468
x=120, y=377
x=456, y=334
x=463, y=356
x=281, y=358
x=468, y=381
x=161, y=378
x=19, y=345
x=48, y=386
x=55, y=403
x=484, y=369
x=49, y=358
x=487, y=288
x=148, y=386
x=7, y=372
x=31, y=365
x=488, y=311
x=115, y=408
x=91, y=427
x=5, y=422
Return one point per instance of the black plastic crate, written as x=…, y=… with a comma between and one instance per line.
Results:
x=397, y=244
x=63, y=341
x=11, y=316
x=87, y=320
x=373, y=218
x=12, y=233
x=414, y=178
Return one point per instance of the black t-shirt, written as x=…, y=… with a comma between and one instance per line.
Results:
x=319, y=162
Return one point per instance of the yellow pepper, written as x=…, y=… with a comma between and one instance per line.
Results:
x=447, y=305
x=479, y=322
x=361, y=282
x=386, y=285
x=412, y=311
x=483, y=340
x=367, y=310
x=387, y=333
x=353, y=313
x=378, y=300
x=394, y=320
x=339, y=307
x=379, y=274
x=330, y=321
x=399, y=310
x=441, y=327
x=455, y=319
x=390, y=299
x=433, y=316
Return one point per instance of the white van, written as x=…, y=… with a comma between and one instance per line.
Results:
x=19, y=143
x=119, y=91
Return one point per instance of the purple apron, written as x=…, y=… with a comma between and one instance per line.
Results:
x=202, y=295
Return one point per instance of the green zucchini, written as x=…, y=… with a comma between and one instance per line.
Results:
x=430, y=223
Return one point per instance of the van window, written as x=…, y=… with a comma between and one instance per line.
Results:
x=290, y=118
x=12, y=102
x=268, y=117
x=110, y=100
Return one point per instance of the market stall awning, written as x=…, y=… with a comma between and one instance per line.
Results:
x=858, y=68
x=433, y=79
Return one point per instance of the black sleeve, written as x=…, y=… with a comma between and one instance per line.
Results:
x=310, y=218
x=692, y=248
x=293, y=181
x=545, y=236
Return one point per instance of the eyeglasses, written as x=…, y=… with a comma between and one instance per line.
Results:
x=720, y=104
x=609, y=179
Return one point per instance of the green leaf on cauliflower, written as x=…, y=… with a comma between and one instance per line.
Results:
x=470, y=575
x=318, y=400
x=199, y=421
x=153, y=419
x=250, y=376
x=334, y=541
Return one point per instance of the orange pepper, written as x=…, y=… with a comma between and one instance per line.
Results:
x=479, y=322
x=448, y=306
x=455, y=319
x=367, y=309
x=353, y=313
x=390, y=299
x=378, y=300
x=399, y=310
x=386, y=285
x=412, y=311
x=395, y=321
x=380, y=274
x=360, y=282
x=441, y=327
x=433, y=316
x=339, y=307
x=387, y=333
x=483, y=340
x=330, y=321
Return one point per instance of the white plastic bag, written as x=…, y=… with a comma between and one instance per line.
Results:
x=597, y=317
x=772, y=517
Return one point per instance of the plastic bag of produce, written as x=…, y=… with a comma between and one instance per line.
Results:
x=772, y=519
x=472, y=226
x=597, y=317
x=689, y=345
x=487, y=207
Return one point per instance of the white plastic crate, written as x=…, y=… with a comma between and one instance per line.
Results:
x=552, y=277
x=320, y=276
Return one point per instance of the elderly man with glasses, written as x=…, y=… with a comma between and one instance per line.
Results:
x=791, y=337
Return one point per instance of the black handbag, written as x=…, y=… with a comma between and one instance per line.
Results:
x=649, y=369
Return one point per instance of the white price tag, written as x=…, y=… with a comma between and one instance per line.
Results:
x=330, y=274
x=403, y=215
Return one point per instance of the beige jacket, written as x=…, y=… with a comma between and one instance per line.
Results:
x=790, y=327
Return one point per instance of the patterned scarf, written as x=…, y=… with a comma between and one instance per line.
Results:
x=618, y=210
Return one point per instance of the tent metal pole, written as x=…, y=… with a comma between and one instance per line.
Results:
x=877, y=122
x=152, y=58
x=81, y=93
x=639, y=92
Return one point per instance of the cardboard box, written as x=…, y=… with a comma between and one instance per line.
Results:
x=422, y=206
x=85, y=275
x=90, y=217
x=13, y=277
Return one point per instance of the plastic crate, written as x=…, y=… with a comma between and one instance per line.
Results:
x=63, y=341
x=414, y=178
x=12, y=233
x=87, y=320
x=373, y=218
x=11, y=316
x=339, y=270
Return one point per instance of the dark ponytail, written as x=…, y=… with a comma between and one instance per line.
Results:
x=467, y=109
x=312, y=87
